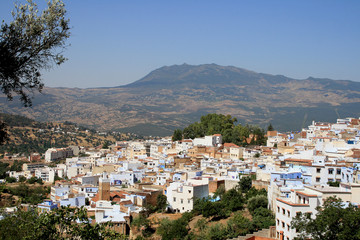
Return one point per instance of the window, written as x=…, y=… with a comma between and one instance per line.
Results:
x=317, y=179
x=182, y=200
x=288, y=227
x=308, y=214
x=278, y=209
x=283, y=210
x=174, y=199
x=288, y=212
x=283, y=224
x=318, y=170
x=331, y=171
x=338, y=171
x=278, y=222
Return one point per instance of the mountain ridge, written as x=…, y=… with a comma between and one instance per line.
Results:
x=174, y=96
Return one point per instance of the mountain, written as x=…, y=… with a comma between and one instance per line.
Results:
x=174, y=96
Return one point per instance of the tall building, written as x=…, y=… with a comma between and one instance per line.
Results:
x=104, y=189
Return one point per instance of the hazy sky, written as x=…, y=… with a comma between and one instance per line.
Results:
x=115, y=42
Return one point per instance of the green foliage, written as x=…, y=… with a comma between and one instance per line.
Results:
x=28, y=44
x=217, y=232
x=245, y=184
x=334, y=184
x=63, y=223
x=16, y=120
x=4, y=136
x=177, y=135
x=33, y=180
x=259, y=201
x=10, y=179
x=193, y=130
x=57, y=178
x=262, y=218
x=22, y=179
x=254, y=192
x=4, y=167
x=220, y=191
x=106, y=145
x=225, y=125
x=215, y=209
x=161, y=203
x=332, y=221
x=231, y=201
x=173, y=229
x=33, y=195
x=201, y=224
x=270, y=127
x=143, y=224
x=239, y=225
x=17, y=166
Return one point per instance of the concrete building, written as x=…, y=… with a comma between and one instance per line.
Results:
x=305, y=201
x=181, y=196
x=209, y=141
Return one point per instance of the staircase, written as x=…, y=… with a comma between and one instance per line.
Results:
x=262, y=233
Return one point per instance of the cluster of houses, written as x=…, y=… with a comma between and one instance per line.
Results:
x=299, y=170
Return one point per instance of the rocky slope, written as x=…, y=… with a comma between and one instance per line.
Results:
x=174, y=96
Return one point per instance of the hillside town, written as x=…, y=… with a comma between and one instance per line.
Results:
x=299, y=170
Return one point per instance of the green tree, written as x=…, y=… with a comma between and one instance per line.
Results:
x=172, y=229
x=239, y=225
x=10, y=179
x=245, y=184
x=270, y=127
x=161, y=203
x=262, y=218
x=177, y=135
x=233, y=200
x=30, y=43
x=332, y=221
x=259, y=201
x=4, y=167
x=143, y=224
x=254, y=192
x=63, y=223
x=22, y=179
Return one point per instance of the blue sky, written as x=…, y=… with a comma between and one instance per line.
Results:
x=115, y=42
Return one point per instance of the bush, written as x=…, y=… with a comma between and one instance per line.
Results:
x=263, y=218
x=22, y=179
x=258, y=201
x=239, y=225
x=176, y=229
x=10, y=179
x=245, y=184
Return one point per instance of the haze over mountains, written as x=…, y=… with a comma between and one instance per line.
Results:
x=174, y=96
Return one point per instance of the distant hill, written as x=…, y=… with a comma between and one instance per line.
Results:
x=175, y=96
x=28, y=136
